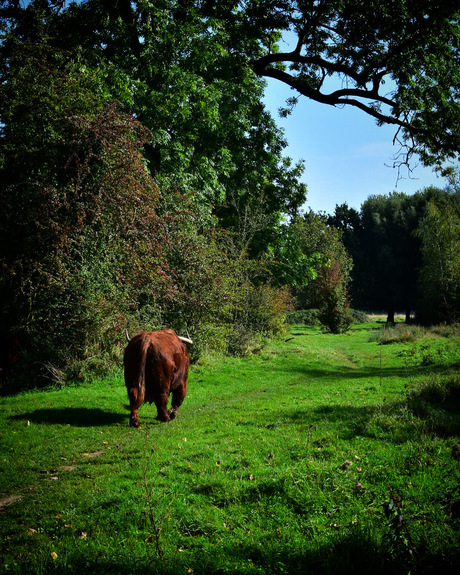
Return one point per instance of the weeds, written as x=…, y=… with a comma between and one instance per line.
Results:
x=397, y=538
x=399, y=333
x=153, y=499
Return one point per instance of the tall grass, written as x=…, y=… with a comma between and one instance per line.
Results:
x=322, y=454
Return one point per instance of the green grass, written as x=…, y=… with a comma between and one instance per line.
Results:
x=248, y=479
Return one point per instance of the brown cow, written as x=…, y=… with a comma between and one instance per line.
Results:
x=156, y=365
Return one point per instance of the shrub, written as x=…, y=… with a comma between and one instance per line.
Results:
x=303, y=316
x=436, y=399
x=332, y=284
x=359, y=316
x=400, y=333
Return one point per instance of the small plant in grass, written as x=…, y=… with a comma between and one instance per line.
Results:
x=397, y=539
x=304, y=317
x=152, y=499
x=435, y=400
x=359, y=316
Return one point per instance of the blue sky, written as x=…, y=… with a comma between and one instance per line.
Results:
x=347, y=156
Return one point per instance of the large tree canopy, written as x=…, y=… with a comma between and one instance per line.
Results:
x=181, y=73
x=126, y=145
x=398, y=61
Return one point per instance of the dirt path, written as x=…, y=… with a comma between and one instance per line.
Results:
x=9, y=499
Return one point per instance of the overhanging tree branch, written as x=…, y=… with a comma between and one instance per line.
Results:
x=363, y=43
x=347, y=96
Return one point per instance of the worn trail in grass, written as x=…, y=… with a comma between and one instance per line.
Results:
x=322, y=454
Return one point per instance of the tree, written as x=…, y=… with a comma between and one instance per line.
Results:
x=80, y=237
x=90, y=240
x=386, y=246
x=188, y=80
x=397, y=61
x=439, y=232
x=387, y=256
x=327, y=285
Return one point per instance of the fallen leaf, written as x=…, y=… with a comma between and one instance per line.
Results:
x=54, y=555
x=54, y=478
x=32, y=531
x=83, y=535
x=345, y=465
x=359, y=486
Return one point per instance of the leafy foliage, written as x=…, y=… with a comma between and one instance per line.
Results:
x=440, y=275
x=98, y=98
x=396, y=61
x=80, y=208
x=328, y=289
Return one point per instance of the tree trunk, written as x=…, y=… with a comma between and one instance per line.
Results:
x=391, y=316
x=407, y=314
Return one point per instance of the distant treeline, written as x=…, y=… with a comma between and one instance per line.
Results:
x=406, y=253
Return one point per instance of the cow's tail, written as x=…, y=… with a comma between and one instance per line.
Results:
x=138, y=382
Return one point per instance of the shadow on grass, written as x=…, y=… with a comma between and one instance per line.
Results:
x=354, y=554
x=346, y=555
x=441, y=416
x=74, y=416
x=369, y=373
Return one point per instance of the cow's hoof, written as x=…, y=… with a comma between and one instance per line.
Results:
x=163, y=419
x=134, y=423
x=172, y=414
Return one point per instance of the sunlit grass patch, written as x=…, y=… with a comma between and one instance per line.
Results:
x=321, y=454
x=399, y=333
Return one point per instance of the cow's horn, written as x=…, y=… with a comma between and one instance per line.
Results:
x=127, y=335
x=185, y=339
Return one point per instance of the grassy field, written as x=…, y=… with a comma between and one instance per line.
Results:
x=321, y=454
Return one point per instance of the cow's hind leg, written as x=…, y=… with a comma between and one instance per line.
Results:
x=134, y=419
x=162, y=412
x=178, y=396
x=161, y=403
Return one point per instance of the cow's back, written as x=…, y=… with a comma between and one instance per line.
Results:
x=167, y=356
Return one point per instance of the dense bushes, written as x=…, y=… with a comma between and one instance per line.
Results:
x=111, y=222
x=327, y=287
